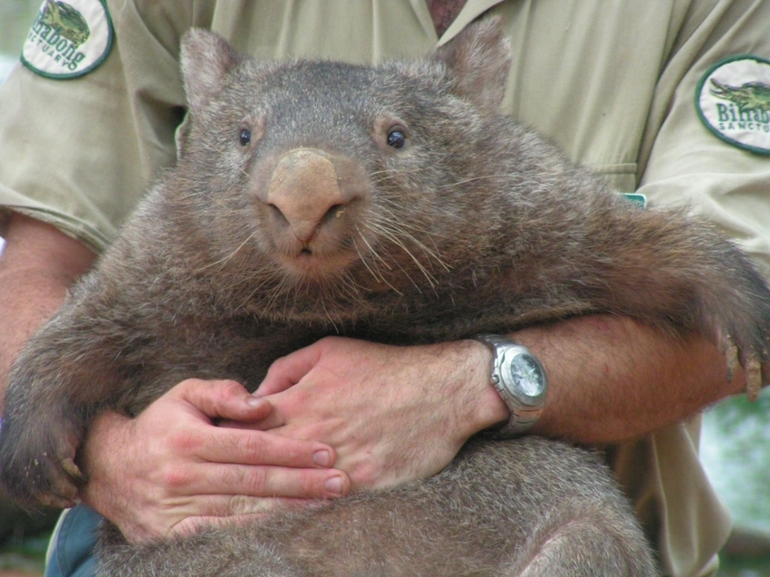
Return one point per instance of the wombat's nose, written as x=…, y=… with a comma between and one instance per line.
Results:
x=304, y=189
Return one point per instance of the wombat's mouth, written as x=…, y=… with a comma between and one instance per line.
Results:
x=308, y=265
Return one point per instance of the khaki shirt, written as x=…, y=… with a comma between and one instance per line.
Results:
x=612, y=82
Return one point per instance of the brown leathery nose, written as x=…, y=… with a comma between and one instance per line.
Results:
x=304, y=187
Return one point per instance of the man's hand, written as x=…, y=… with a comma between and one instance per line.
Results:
x=172, y=468
x=393, y=414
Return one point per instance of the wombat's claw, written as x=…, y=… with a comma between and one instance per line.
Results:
x=752, y=367
x=731, y=356
x=72, y=469
x=753, y=370
x=64, y=492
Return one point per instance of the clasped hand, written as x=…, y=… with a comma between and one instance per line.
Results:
x=339, y=415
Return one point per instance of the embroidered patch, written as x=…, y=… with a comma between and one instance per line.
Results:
x=733, y=101
x=68, y=39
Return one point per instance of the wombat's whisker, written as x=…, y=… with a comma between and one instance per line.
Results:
x=384, y=261
x=347, y=288
x=377, y=276
x=271, y=276
x=245, y=173
x=372, y=250
x=396, y=233
x=421, y=225
x=278, y=291
x=432, y=282
x=223, y=261
x=249, y=278
x=468, y=180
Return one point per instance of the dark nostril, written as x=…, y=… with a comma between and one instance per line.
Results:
x=277, y=213
x=336, y=211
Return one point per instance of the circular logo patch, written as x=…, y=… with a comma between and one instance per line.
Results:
x=68, y=39
x=733, y=101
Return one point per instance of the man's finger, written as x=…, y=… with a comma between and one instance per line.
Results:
x=289, y=370
x=242, y=482
x=223, y=399
x=250, y=447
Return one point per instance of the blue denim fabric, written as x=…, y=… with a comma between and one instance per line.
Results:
x=72, y=552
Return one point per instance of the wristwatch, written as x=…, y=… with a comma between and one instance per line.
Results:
x=519, y=378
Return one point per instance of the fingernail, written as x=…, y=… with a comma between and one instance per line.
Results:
x=334, y=485
x=322, y=458
x=254, y=401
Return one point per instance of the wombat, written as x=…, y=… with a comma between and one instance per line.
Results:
x=389, y=203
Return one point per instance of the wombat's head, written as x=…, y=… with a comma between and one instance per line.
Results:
x=327, y=174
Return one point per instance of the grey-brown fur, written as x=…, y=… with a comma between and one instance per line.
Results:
x=477, y=225
x=529, y=507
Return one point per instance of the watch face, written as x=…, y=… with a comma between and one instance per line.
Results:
x=527, y=375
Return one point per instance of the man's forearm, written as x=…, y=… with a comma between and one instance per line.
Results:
x=612, y=379
x=37, y=267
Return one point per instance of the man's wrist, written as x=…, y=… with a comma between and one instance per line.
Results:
x=489, y=409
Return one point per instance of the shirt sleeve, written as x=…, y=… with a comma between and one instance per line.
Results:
x=684, y=160
x=80, y=152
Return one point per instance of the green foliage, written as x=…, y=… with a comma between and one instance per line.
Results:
x=735, y=450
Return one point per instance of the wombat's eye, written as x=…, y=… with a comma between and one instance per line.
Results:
x=396, y=138
x=244, y=136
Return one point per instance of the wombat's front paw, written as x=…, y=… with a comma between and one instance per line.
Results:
x=756, y=366
x=37, y=460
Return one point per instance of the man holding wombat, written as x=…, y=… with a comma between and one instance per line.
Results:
x=628, y=113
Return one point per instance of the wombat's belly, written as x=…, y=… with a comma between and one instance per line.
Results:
x=490, y=512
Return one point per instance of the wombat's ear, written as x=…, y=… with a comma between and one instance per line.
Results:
x=206, y=59
x=479, y=60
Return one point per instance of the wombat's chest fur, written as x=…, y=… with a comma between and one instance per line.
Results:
x=391, y=204
x=317, y=198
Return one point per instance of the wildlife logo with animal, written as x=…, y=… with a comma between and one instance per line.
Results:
x=733, y=100
x=68, y=39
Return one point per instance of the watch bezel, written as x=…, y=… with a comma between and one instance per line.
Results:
x=525, y=408
x=511, y=382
